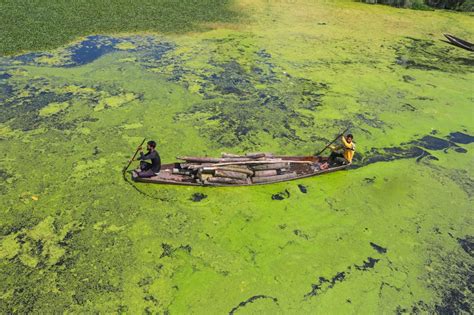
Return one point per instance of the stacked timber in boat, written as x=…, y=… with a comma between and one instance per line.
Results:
x=236, y=169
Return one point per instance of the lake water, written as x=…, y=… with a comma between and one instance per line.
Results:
x=392, y=234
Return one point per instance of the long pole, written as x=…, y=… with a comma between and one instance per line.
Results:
x=342, y=133
x=133, y=157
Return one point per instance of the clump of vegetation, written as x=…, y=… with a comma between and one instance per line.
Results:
x=459, y=5
x=36, y=25
x=467, y=6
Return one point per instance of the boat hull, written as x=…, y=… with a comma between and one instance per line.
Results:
x=459, y=42
x=165, y=177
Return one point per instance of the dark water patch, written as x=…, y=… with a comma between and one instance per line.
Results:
x=6, y=91
x=372, y=122
x=251, y=300
x=303, y=188
x=433, y=143
x=428, y=55
x=460, y=137
x=424, y=98
x=197, y=197
x=460, y=150
x=369, y=264
x=4, y=175
x=378, y=248
x=430, y=142
x=5, y=76
x=370, y=180
x=325, y=284
x=152, y=53
x=316, y=288
x=301, y=234
x=282, y=226
x=90, y=49
x=96, y=150
x=29, y=58
x=232, y=79
x=409, y=107
x=145, y=281
x=158, y=50
x=96, y=46
x=264, y=54
x=419, y=307
x=257, y=70
x=169, y=250
x=413, y=149
x=467, y=244
x=392, y=154
x=281, y=195
x=408, y=63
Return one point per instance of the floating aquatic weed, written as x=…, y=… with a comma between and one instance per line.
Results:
x=95, y=46
x=423, y=54
x=243, y=111
x=254, y=87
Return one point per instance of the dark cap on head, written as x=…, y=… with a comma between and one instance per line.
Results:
x=152, y=144
x=350, y=136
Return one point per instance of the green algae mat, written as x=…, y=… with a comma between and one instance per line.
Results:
x=394, y=234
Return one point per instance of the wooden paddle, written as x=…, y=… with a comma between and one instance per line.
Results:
x=342, y=133
x=133, y=157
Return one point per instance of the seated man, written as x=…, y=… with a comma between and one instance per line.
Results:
x=344, y=157
x=149, y=169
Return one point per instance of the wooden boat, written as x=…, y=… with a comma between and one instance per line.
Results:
x=459, y=42
x=240, y=170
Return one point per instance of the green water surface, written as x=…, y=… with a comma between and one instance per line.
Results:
x=392, y=235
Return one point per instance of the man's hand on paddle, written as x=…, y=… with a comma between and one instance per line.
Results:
x=140, y=148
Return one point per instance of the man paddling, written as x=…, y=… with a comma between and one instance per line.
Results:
x=348, y=147
x=149, y=169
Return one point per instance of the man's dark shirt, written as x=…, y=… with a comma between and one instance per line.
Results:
x=155, y=160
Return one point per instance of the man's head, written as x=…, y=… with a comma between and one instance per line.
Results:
x=151, y=145
x=349, y=137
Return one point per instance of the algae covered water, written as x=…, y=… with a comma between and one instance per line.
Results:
x=393, y=234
